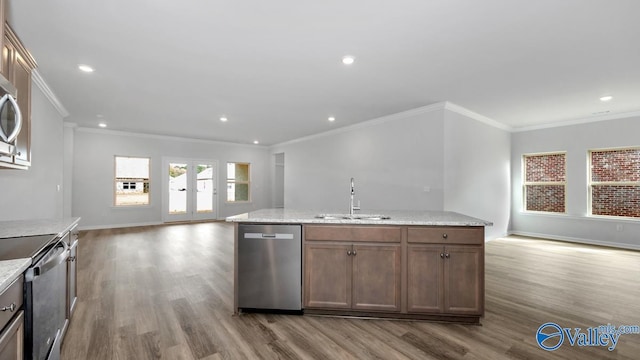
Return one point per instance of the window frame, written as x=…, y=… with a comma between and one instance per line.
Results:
x=525, y=183
x=130, y=181
x=234, y=181
x=591, y=183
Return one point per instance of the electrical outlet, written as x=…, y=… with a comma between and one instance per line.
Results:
x=619, y=227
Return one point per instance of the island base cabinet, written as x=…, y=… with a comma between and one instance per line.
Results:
x=445, y=279
x=376, y=277
x=353, y=277
x=327, y=276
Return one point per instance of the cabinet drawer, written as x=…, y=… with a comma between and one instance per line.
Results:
x=353, y=233
x=446, y=235
x=10, y=299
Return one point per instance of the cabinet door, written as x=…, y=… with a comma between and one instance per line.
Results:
x=327, y=275
x=425, y=290
x=464, y=280
x=376, y=277
x=22, y=81
x=12, y=339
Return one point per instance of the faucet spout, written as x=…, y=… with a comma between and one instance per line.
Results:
x=352, y=194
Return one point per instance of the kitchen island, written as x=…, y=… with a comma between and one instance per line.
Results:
x=399, y=264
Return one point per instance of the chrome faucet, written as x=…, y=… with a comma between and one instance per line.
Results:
x=353, y=192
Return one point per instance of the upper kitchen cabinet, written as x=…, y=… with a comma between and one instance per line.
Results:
x=17, y=65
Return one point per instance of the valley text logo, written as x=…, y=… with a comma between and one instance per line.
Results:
x=551, y=336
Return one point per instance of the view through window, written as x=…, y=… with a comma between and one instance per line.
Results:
x=545, y=182
x=615, y=182
x=131, y=181
x=238, y=182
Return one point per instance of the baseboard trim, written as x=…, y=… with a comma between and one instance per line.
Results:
x=578, y=240
x=115, y=226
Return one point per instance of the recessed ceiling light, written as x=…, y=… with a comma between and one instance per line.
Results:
x=606, y=98
x=256, y=142
x=331, y=118
x=348, y=59
x=223, y=119
x=85, y=68
x=102, y=125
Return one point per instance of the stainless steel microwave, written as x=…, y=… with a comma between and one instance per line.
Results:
x=10, y=117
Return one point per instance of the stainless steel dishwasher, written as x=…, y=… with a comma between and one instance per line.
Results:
x=270, y=267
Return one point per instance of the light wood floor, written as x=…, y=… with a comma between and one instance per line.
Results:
x=165, y=292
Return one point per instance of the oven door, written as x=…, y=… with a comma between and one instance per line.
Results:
x=45, y=293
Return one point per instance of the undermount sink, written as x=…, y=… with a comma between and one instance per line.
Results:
x=352, y=217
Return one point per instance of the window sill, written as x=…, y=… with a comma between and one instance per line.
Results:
x=616, y=219
x=131, y=206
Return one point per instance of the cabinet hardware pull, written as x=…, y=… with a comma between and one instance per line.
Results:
x=10, y=307
x=442, y=255
x=446, y=255
x=354, y=253
x=349, y=252
x=444, y=236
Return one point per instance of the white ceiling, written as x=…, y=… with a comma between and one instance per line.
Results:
x=274, y=67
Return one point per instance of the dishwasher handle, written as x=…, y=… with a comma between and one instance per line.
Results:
x=276, y=236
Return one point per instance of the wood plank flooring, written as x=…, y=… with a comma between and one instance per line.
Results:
x=165, y=292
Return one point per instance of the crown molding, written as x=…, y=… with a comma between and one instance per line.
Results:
x=369, y=123
x=579, y=121
x=474, y=115
x=162, y=137
x=48, y=93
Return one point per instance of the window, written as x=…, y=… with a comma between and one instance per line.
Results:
x=131, y=181
x=614, y=182
x=238, y=182
x=545, y=182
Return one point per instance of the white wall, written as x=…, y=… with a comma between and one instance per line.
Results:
x=33, y=193
x=462, y=163
x=93, y=174
x=576, y=225
x=477, y=171
x=392, y=159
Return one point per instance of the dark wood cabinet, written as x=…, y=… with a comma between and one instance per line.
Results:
x=16, y=66
x=425, y=272
x=352, y=268
x=327, y=275
x=445, y=271
x=12, y=321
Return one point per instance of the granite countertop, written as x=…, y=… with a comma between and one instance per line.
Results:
x=36, y=227
x=292, y=216
x=10, y=270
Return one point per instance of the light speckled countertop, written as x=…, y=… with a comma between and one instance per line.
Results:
x=36, y=227
x=293, y=216
x=11, y=269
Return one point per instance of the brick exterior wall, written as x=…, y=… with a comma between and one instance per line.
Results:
x=549, y=198
x=615, y=200
x=615, y=166
x=545, y=168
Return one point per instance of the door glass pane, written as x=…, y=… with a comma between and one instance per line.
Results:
x=177, y=188
x=205, y=190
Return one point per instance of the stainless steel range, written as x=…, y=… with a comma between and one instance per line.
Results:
x=44, y=291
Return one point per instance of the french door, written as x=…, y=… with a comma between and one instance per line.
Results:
x=190, y=189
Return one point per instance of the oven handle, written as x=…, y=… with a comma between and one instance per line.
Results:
x=52, y=262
